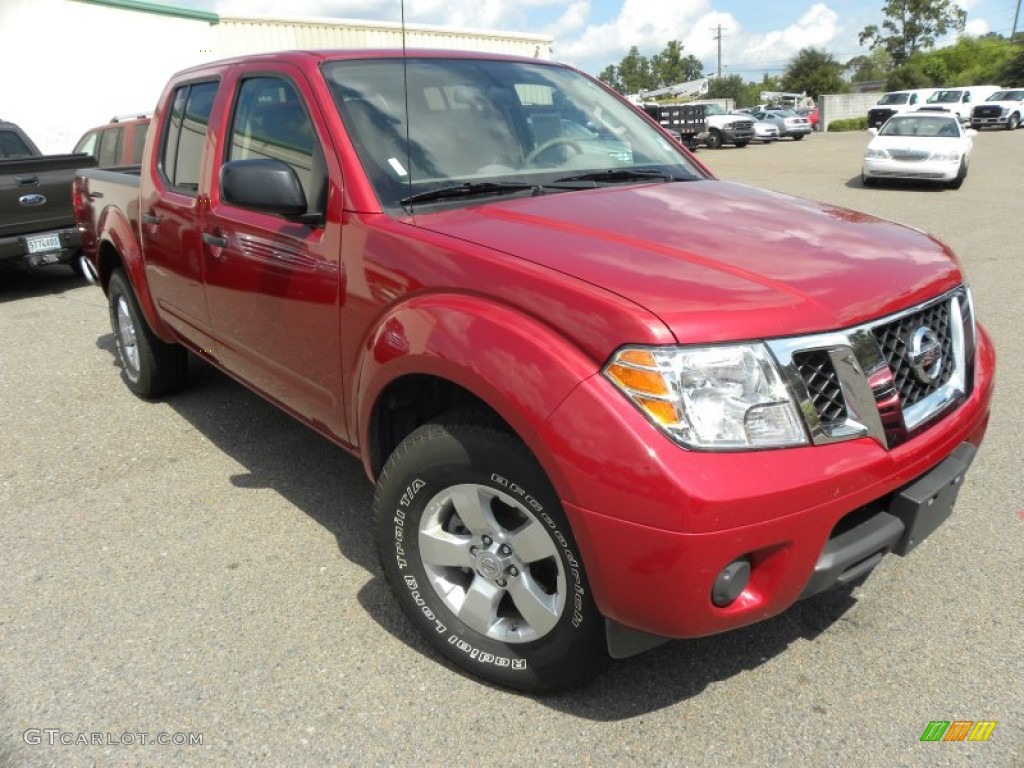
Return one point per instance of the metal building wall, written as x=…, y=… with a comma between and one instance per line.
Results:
x=240, y=35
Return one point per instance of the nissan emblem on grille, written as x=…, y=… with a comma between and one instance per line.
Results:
x=925, y=354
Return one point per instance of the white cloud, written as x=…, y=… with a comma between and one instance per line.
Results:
x=977, y=28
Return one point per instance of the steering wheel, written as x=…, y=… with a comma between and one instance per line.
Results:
x=558, y=140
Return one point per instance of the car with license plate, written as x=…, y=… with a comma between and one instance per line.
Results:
x=37, y=219
x=919, y=146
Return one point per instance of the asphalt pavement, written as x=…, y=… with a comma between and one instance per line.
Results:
x=200, y=571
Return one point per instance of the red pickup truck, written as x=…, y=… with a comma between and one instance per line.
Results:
x=605, y=398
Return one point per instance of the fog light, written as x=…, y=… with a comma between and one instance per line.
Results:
x=731, y=582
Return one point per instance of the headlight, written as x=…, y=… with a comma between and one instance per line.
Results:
x=876, y=154
x=951, y=157
x=728, y=124
x=715, y=398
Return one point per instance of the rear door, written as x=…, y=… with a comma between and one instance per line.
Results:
x=172, y=208
x=274, y=285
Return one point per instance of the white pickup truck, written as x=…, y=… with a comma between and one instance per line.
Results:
x=1003, y=109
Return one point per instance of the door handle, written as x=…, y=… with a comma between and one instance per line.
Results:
x=150, y=218
x=26, y=181
x=215, y=240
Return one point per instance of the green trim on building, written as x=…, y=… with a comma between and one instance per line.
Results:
x=162, y=10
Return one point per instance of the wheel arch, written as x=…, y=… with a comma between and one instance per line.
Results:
x=444, y=353
x=119, y=249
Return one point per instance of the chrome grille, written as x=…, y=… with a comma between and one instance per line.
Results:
x=912, y=155
x=893, y=339
x=822, y=382
x=887, y=379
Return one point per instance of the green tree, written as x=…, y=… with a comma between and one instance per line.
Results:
x=814, y=71
x=635, y=72
x=733, y=87
x=1013, y=69
x=610, y=76
x=908, y=77
x=671, y=66
x=913, y=25
x=874, y=66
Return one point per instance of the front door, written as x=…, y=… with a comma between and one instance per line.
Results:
x=274, y=286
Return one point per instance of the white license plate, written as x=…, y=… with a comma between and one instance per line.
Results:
x=43, y=243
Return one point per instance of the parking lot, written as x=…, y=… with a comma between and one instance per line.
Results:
x=203, y=568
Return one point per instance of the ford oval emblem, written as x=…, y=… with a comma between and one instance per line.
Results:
x=31, y=200
x=926, y=355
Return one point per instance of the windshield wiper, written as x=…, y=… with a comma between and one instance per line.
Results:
x=617, y=175
x=471, y=189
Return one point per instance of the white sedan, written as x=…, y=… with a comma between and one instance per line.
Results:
x=919, y=146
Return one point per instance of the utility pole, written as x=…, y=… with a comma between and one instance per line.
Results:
x=1016, y=15
x=718, y=36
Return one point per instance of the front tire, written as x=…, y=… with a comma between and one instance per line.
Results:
x=798, y=136
x=1013, y=123
x=960, y=176
x=476, y=547
x=714, y=139
x=149, y=366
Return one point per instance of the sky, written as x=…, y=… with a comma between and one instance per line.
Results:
x=757, y=37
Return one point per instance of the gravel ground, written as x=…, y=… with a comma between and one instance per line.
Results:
x=203, y=568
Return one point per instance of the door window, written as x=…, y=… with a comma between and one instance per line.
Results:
x=270, y=121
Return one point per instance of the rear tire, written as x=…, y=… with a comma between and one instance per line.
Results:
x=867, y=181
x=798, y=136
x=480, y=556
x=150, y=367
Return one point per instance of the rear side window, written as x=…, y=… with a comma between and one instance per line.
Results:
x=185, y=135
x=11, y=145
x=139, y=142
x=87, y=144
x=110, y=148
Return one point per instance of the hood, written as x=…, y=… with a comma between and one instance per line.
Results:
x=717, y=261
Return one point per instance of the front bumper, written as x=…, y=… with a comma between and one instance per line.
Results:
x=657, y=524
x=921, y=170
x=990, y=122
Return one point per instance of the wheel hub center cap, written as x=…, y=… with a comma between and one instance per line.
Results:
x=489, y=565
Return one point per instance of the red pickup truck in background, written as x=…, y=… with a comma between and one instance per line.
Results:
x=606, y=399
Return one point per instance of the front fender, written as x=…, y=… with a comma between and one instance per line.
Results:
x=519, y=366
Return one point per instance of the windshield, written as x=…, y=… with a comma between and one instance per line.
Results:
x=894, y=98
x=714, y=109
x=493, y=126
x=921, y=126
x=945, y=97
x=1007, y=96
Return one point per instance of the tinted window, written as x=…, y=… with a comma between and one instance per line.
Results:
x=139, y=142
x=270, y=121
x=186, y=134
x=11, y=145
x=110, y=148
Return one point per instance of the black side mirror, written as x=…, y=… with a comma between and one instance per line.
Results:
x=266, y=185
